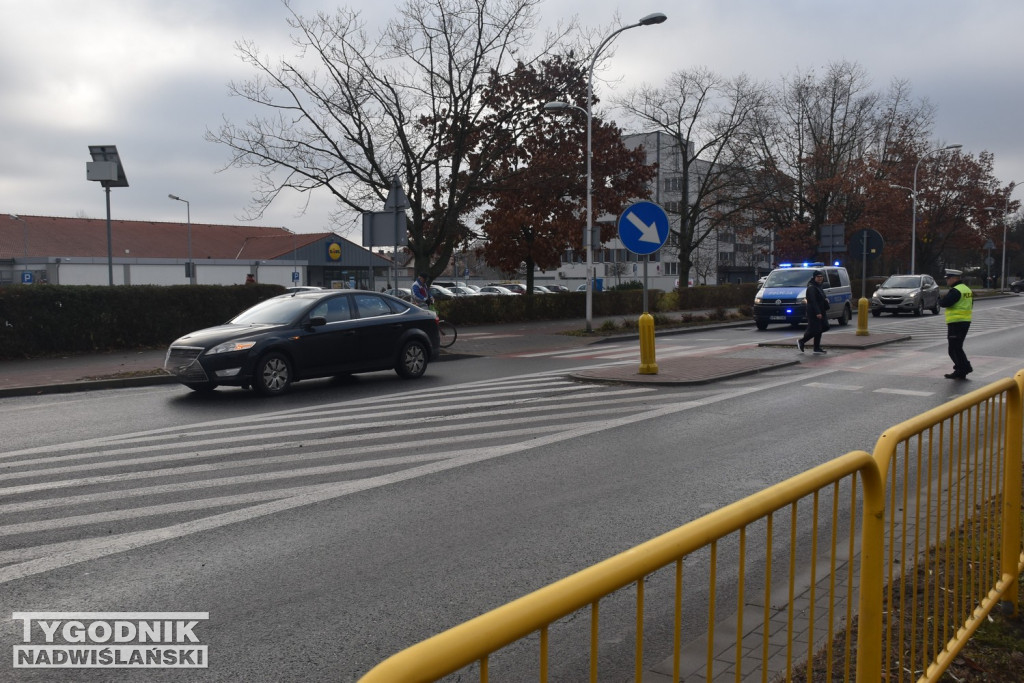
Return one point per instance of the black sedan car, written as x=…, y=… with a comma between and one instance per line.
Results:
x=304, y=335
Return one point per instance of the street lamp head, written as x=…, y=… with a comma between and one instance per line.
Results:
x=174, y=196
x=650, y=19
x=556, y=106
x=953, y=147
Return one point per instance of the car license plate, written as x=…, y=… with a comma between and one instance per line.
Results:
x=777, y=317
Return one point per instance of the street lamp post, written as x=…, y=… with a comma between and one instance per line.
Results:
x=650, y=19
x=190, y=267
x=1006, y=212
x=913, y=219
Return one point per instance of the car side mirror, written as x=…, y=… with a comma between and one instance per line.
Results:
x=317, y=321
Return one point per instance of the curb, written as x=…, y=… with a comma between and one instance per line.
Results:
x=89, y=385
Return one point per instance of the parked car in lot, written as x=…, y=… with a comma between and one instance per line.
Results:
x=441, y=293
x=906, y=294
x=305, y=335
x=557, y=289
x=1017, y=286
x=403, y=293
x=462, y=290
x=496, y=290
x=513, y=287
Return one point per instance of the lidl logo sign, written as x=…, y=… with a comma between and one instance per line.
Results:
x=333, y=251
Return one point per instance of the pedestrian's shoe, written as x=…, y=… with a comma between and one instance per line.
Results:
x=820, y=351
x=968, y=371
x=800, y=345
x=955, y=375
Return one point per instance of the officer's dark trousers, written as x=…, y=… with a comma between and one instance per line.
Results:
x=955, y=335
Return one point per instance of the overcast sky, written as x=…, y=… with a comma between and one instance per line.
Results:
x=150, y=76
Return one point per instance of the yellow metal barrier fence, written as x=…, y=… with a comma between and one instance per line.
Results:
x=947, y=545
x=941, y=487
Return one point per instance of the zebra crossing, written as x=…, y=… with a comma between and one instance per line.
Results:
x=89, y=498
x=628, y=351
x=931, y=329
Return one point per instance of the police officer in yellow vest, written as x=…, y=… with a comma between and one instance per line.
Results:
x=958, y=302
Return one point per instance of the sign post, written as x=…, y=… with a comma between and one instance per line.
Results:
x=868, y=243
x=643, y=229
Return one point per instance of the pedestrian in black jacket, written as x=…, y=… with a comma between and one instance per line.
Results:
x=817, y=316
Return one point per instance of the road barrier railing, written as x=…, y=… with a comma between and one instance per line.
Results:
x=867, y=567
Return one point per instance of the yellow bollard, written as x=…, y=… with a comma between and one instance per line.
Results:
x=862, y=318
x=647, y=364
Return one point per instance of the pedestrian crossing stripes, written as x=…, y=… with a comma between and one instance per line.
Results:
x=932, y=329
x=628, y=351
x=88, y=498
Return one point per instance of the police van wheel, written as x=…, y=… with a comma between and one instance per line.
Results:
x=761, y=324
x=845, y=317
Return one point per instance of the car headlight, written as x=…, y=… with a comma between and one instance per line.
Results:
x=802, y=299
x=757, y=299
x=231, y=346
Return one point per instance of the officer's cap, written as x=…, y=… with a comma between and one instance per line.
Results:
x=953, y=273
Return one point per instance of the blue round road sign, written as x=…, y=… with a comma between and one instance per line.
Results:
x=643, y=228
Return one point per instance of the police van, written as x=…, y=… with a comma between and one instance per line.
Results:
x=783, y=296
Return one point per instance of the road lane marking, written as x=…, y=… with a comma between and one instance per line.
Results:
x=904, y=392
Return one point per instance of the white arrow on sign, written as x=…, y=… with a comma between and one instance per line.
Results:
x=648, y=233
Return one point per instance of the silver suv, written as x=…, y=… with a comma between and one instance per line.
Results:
x=906, y=294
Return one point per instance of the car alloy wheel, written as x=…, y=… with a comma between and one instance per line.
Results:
x=412, y=360
x=273, y=374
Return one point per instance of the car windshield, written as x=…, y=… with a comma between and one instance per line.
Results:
x=276, y=311
x=903, y=282
x=788, y=278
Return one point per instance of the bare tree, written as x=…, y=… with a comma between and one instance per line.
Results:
x=350, y=112
x=827, y=139
x=706, y=117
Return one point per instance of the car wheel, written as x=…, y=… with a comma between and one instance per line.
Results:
x=919, y=310
x=761, y=325
x=877, y=314
x=935, y=309
x=202, y=387
x=412, y=360
x=273, y=374
x=845, y=317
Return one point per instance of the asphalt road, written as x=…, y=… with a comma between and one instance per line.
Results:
x=327, y=529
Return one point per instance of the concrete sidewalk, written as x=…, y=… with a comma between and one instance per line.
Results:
x=115, y=369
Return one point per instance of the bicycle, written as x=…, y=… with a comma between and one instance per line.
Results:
x=446, y=329
x=448, y=333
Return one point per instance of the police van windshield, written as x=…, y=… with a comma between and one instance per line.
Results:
x=789, y=277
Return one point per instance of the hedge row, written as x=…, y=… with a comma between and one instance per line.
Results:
x=47, y=319
x=42, y=320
